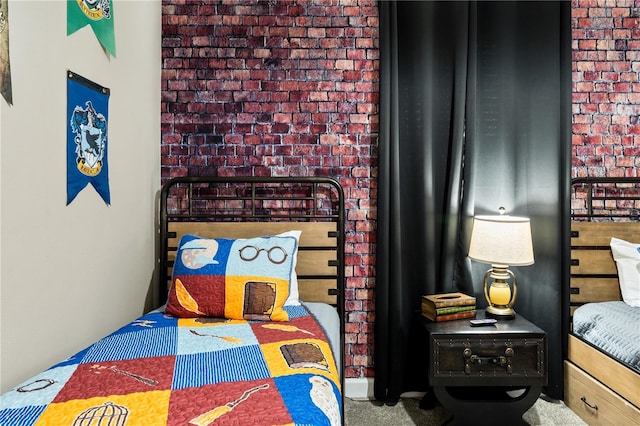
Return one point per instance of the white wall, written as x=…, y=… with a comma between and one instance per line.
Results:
x=72, y=274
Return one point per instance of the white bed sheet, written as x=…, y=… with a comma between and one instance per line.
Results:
x=329, y=319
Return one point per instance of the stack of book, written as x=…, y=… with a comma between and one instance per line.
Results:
x=448, y=306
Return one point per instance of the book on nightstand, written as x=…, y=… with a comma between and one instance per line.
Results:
x=448, y=306
x=451, y=317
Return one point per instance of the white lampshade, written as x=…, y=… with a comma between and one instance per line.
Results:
x=501, y=240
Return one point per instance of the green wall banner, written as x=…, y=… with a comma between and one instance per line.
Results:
x=98, y=14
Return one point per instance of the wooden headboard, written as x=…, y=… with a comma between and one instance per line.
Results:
x=257, y=206
x=245, y=207
x=601, y=208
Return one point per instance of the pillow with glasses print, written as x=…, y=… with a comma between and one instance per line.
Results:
x=232, y=278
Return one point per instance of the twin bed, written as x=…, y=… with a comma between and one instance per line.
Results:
x=602, y=370
x=250, y=328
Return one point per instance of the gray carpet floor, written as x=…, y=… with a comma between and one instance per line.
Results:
x=408, y=412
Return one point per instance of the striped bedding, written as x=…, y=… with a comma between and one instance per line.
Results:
x=613, y=327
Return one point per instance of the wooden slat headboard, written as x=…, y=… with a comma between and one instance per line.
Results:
x=602, y=208
x=317, y=255
x=246, y=207
x=251, y=207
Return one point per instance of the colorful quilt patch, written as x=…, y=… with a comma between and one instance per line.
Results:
x=204, y=339
x=299, y=328
x=158, y=370
x=39, y=390
x=312, y=400
x=230, y=404
x=24, y=416
x=118, y=378
x=238, y=364
x=206, y=322
x=299, y=357
x=295, y=311
x=156, y=319
x=151, y=342
x=143, y=408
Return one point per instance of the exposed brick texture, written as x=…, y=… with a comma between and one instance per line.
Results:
x=281, y=88
x=606, y=87
x=291, y=88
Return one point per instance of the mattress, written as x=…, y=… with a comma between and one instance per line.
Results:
x=612, y=327
x=161, y=370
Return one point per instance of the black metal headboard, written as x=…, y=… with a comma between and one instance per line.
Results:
x=242, y=207
x=601, y=208
x=272, y=203
x=605, y=199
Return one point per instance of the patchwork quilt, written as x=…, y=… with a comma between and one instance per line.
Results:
x=161, y=370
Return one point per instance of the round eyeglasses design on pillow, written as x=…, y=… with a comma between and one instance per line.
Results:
x=275, y=254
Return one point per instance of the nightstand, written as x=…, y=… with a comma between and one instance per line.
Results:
x=486, y=375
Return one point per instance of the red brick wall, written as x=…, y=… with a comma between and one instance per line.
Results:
x=281, y=88
x=606, y=87
x=291, y=88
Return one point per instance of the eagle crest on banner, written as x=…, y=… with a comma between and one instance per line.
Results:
x=90, y=128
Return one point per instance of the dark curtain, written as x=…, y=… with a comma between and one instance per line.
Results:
x=475, y=115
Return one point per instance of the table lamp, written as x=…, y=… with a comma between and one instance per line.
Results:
x=501, y=241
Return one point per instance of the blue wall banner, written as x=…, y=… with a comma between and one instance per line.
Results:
x=87, y=112
x=96, y=13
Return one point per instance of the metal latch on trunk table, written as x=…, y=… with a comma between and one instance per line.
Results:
x=500, y=360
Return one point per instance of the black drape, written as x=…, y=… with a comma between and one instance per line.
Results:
x=475, y=115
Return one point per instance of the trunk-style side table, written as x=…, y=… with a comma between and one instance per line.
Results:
x=486, y=375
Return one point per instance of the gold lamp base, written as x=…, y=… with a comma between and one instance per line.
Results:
x=498, y=294
x=500, y=313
